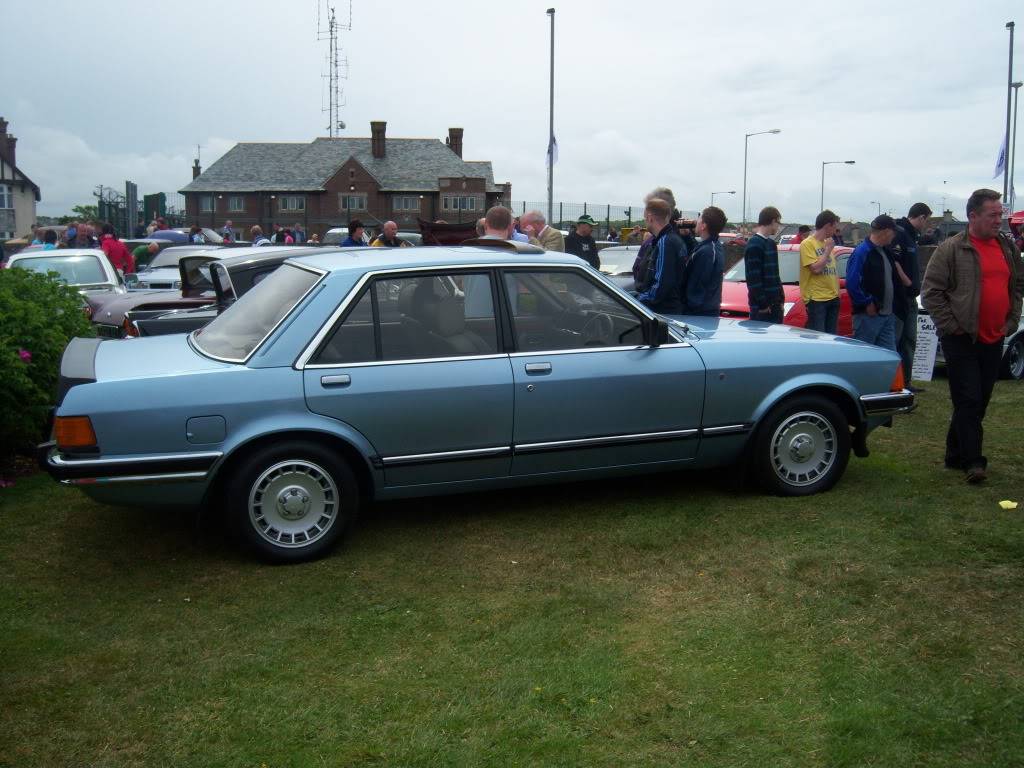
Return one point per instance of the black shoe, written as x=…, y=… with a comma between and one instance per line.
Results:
x=976, y=475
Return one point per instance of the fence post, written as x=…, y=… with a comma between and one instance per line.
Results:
x=560, y=216
x=608, y=222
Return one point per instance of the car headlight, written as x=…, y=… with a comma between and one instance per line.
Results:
x=177, y=285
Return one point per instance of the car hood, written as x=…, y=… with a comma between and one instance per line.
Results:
x=151, y=356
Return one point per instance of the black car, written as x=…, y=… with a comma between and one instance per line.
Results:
x=231, y=277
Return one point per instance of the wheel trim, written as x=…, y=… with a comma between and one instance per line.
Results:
x=1016, y=365
x=804, y=448
x=293, y=504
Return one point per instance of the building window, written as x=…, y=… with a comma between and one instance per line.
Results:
x=206, y=203
x=406, y=203
x=236, y=203
x=459, y=203
x=352, y=202
x=6, y=196
x=291, y=203
x=351, y=174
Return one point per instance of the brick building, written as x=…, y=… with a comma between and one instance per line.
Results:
x=328, y=181
x=18, y=193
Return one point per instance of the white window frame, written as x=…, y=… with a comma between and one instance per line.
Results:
x=291, y=203
x=236, y=203
x=206, y=203
x=406, y=203
x=6, y=192
x=345, y=198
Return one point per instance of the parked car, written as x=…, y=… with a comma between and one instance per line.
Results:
x=617, y=263
x=732, y=238
x=344, y=378
x=734, y=289
x=231, y=277
x=162, y=273
x=87, y=269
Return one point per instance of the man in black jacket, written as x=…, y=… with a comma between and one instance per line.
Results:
x=581, y=242
x=904, y=249
x=659, y=286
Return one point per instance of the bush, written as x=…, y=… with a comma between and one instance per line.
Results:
x=40, y=316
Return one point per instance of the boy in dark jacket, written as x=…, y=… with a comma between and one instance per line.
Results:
x=701, y=286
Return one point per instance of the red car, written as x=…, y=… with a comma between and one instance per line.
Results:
x=734, y=289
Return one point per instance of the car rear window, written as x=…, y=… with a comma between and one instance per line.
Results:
x=235, y=333
x=73, y=270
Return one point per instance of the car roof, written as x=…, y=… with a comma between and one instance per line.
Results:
x=372, y=259
x=256, y=255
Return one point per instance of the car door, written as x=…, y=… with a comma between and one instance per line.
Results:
x=589, y=392
x=418, y=372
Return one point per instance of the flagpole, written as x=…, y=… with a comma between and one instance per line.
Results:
x=1006, y=139
x=551, y=125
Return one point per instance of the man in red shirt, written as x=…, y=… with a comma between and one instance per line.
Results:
x=972, y=289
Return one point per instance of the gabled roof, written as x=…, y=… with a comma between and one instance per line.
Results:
x=21, y=173
x=408, y=165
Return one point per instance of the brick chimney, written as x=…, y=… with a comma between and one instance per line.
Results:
x=377, y=130
x=7, y=143
x=196, y=170
x=455, y=140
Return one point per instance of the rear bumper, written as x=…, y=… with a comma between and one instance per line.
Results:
x=150, y=468
x=887, y=403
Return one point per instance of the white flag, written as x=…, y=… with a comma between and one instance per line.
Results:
x=552, y=157
x=1001, y=160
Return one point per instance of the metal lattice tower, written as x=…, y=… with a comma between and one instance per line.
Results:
x=337, y=65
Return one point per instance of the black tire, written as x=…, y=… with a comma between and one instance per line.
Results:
x=802, y=446
x=313, y=495
x=1013, y=360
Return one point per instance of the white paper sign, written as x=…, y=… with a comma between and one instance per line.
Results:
x=927, y=345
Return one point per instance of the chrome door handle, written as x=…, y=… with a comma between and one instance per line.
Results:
x=340, y=380
x=538, y=368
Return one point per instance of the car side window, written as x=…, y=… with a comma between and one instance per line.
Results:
x=555, y=310
x=444, y=315
x=418, y=317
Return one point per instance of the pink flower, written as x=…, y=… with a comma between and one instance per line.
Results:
x=25, y=355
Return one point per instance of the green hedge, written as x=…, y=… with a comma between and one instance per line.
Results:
x=38, y=317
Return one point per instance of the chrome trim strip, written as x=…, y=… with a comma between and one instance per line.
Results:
x=424, y=458
x=410, y=361
x=727, y=429
x=174, y=477
x=195, y=344
x=586, y=442
x=586, y=350
x=57, y=461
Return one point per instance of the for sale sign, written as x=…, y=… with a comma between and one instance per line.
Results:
x=927, y=346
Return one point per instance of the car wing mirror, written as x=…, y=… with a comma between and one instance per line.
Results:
x=656, y=332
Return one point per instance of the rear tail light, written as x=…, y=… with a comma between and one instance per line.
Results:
x=130, y=329
x=74, y=432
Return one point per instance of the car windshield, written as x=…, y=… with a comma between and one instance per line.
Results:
x=234, y=334
x=335, y=238
x=73, y=270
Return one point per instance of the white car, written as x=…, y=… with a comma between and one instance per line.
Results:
x=87, y=269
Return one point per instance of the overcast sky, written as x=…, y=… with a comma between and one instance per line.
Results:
x=646, y=93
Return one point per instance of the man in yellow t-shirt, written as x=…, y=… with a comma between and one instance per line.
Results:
x=819, y=280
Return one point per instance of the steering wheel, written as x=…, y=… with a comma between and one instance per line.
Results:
x=597, y=329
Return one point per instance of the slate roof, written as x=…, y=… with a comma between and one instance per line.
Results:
x=408, y=165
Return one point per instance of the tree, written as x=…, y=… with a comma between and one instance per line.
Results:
x=81, y=213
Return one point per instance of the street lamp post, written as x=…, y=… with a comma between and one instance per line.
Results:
x=875, y=202
x=746, y=138
x=1006, y=137
x=823, y=164
x=730, y=192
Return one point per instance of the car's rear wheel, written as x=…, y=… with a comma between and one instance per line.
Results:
x=291, y=502
x=1013, y=360
x=802, y=447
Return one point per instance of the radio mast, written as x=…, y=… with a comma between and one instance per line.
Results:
x=337, y=64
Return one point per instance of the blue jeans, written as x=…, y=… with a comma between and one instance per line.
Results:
x=879, y=330
x=823, y=315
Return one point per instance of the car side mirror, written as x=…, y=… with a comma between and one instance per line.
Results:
x=656, y=332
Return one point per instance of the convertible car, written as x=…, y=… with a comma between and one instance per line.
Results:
x=363, y=374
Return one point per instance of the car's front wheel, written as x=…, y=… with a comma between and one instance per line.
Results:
x=1013, y=360
x=802, y=446
x=291, y=502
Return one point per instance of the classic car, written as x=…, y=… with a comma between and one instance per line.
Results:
x=231, y=277
x=87, y=269
x=734, y=289
x=196, y=291
x=161, y=273
x=351, y=376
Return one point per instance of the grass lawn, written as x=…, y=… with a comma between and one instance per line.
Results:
x=673, y=620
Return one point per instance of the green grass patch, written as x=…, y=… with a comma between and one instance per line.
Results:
x=664, y=621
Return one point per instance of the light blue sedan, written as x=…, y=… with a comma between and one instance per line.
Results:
x=365, y=374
